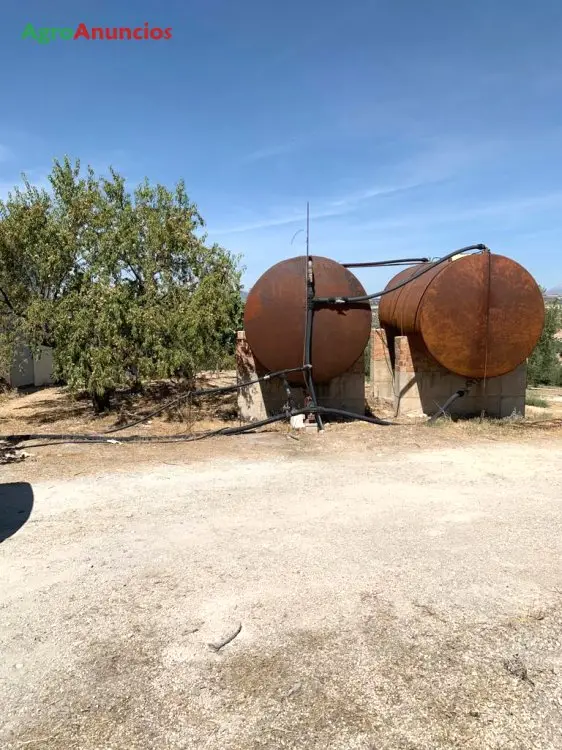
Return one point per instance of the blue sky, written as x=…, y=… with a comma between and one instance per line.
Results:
x=412, y=127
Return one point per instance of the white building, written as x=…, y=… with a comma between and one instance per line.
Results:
x=27, y=370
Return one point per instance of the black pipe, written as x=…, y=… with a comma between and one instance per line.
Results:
x=368, y=297
x=308, y=374
x=205, y=392
x=202, y=392
x=100, y=438
x=377, y=263
x=352, y=415
x=443, y=409
x=51, y=438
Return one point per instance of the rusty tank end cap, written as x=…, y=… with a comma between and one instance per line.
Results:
x=275, y=317
x=482, y=316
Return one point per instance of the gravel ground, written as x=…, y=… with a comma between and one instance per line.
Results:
x=387, y=600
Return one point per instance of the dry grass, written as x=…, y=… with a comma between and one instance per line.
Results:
x=54, y=410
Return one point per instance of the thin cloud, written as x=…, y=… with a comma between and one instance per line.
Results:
x=279, y=221
x=6, y=186
x=435, y=162
x=345, y=205
x=270, y=152
x=503, y=208
x=514, y=206
x=339, y=207
x=354, y=199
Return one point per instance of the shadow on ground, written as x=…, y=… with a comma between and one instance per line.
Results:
x=126, y=405
x=16, y=504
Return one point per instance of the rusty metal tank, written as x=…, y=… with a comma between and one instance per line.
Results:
x=275, y=316
x=479, y=315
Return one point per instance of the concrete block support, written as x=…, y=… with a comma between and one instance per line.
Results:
x=264, y=399
x=421, y=385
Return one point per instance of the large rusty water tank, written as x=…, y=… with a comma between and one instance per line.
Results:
x=479, y=315
x=275, y=317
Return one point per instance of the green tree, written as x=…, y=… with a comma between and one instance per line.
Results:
x=544, y=366
x=39, y=262
x=130, y=291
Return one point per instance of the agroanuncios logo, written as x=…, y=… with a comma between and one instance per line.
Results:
x=47, y=34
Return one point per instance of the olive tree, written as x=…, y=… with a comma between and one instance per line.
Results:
x=543, y=366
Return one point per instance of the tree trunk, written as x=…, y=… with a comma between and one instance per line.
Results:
x=101, y=402
x=137, y=387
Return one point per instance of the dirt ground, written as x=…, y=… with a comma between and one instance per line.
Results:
x=51, y=410
x=396, y=587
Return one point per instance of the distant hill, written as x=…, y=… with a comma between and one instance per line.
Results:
x=556, y=291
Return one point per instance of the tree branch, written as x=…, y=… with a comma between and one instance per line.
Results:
x=7, y=300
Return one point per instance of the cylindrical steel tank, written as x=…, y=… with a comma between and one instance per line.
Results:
x=479, y=315
x=275, y=317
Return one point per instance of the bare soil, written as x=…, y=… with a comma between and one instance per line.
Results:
x=53, y=410
x=397, y=587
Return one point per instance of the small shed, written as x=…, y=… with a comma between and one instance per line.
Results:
x=27, y=370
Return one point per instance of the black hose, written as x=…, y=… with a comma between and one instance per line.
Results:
x=351, y=415
x=49, y=438
x=368, y=297
x=100, y=438
x=442, y=409
x=204, y=392
x=384, y=263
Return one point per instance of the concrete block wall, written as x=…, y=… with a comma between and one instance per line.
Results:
x=262, y=400
x=403, y=373
x=421, y=385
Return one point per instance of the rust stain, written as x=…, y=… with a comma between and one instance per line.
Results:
x=479, y=316
x=275, y=317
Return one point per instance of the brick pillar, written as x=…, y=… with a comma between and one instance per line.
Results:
x=406, y=393
x=250, y=401
x=382, y=381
